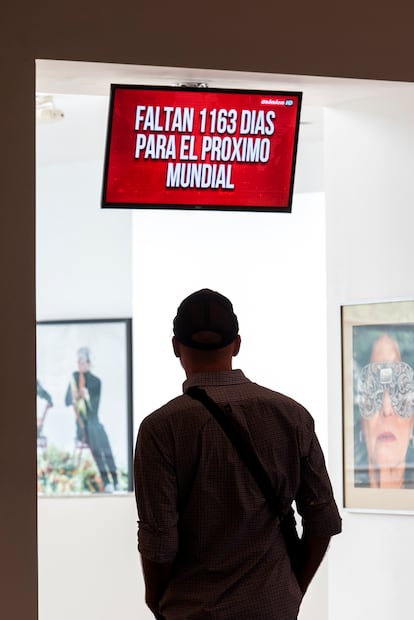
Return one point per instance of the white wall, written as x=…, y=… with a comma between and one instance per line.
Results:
x=83, y=253
x=272, y=266
x=369, y=155
x=369, y=195
x=88, y=563
x=103, y=264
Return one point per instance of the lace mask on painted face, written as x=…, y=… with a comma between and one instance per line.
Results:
x=395, y=377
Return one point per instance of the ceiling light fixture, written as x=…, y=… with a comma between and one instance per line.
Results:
x=46, y=110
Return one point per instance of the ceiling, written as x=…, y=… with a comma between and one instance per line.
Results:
x=89, y=78
x=81, y=91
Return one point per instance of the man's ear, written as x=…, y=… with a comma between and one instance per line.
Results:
x=176, y=347
x=236, y=345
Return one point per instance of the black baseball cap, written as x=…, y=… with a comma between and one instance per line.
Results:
x=205, y=320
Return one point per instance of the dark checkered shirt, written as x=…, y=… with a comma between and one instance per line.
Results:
x=199, y=506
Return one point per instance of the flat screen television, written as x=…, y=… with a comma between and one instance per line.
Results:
x=179, y=147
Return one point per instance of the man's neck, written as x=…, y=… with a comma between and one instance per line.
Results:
x=194, y=369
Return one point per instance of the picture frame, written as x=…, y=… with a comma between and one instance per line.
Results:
x=84, y=407
x=378, y=406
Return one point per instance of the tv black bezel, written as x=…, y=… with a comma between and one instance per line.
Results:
x=197, y=207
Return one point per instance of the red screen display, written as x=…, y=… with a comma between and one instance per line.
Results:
x=182, y=148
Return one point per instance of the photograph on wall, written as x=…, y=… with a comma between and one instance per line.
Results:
x=84, y=407
x=378, y=405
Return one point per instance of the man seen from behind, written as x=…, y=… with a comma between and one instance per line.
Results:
x=210, y=544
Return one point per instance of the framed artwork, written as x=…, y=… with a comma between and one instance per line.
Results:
x=84, y=407
x=378, y=406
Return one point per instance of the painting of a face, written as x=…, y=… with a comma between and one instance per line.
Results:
x=387, y=434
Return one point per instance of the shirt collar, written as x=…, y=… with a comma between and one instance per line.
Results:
x=221, y=377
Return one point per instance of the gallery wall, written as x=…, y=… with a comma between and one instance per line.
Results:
x=369, y=198
x=369, y=250
x=94, y=264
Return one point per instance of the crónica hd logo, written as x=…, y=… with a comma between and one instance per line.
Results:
x=270, y=101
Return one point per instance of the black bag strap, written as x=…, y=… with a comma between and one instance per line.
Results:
x=242, y=446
